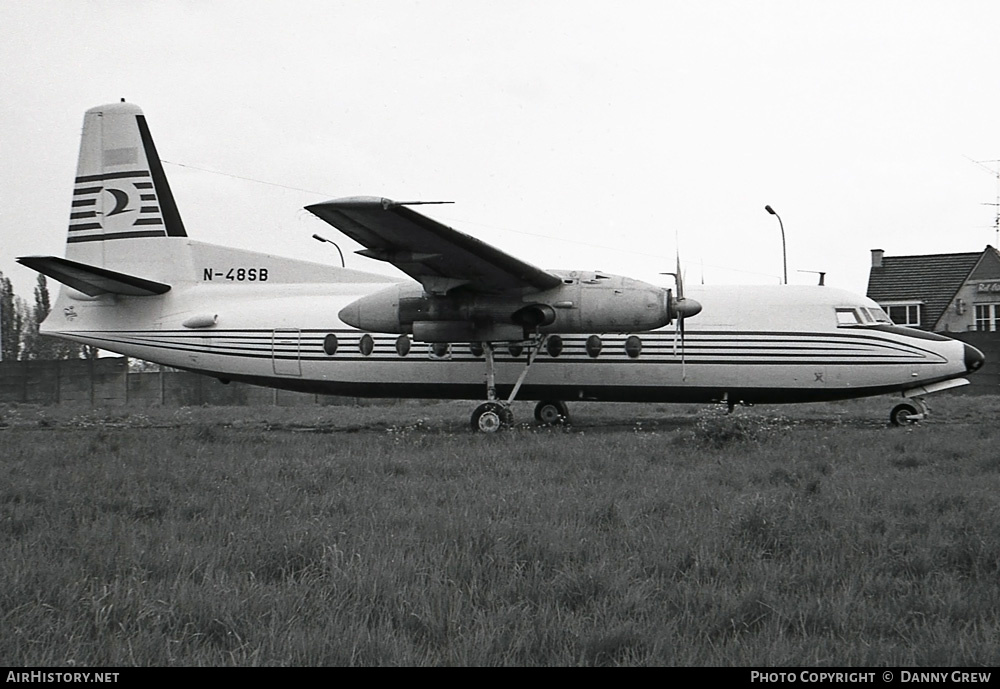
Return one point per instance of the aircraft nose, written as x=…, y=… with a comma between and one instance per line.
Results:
x=974, y=359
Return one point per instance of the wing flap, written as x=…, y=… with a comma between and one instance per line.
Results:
x=91, y=280
x=436, y=255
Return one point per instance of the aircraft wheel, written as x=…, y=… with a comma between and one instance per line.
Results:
x=551, y=412
x=490, y=417
x=901, y=415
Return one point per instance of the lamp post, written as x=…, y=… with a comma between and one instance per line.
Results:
x=319, y=238
x=784, y=253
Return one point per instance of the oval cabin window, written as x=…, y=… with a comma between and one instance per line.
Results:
x=633, y=346
x=554, y=345
x=366, y=344
x=330, y=344
x=594, y=345
x=403, y=345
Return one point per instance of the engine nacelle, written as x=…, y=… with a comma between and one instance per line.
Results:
x=584, y=303
x=611, y=304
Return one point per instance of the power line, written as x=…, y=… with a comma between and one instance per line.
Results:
x=470, y=222
x=249, y=179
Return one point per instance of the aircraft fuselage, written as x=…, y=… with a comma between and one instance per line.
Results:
x=750, y=344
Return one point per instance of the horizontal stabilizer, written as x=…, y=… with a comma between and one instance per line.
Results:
x=91, y=280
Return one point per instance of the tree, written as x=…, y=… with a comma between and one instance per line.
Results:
x=12, y=311
x=19, y=323
x=35, y=345
x=38, y=346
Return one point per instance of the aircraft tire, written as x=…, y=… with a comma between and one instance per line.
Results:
x=901, y=413
x=551, y=412
x=490, y=417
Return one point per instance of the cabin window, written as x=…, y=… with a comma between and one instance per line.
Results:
x=330, y=344
x=366, y=344
x=403, y=345
x=633, y=346
x=594, y=345
x=904, y=314
x=554, y=345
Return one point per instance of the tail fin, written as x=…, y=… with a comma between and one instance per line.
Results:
x=121, y=192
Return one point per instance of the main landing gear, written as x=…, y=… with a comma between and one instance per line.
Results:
x=552, y=413
x=490, y=417
x=495, y=414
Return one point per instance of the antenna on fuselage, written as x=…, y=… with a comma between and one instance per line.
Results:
x=821, y=273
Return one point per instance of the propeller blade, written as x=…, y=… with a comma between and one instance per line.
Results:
x=683, y=371
x=680, y=277
x=680, y=308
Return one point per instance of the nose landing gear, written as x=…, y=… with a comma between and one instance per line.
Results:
x=908, y=413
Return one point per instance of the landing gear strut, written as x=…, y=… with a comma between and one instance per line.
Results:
x=495, y=414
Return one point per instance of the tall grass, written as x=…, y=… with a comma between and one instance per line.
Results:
x=393, y=536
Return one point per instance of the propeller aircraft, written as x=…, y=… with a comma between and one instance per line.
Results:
x=472, y=322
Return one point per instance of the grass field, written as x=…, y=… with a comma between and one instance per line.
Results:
x=391, y=535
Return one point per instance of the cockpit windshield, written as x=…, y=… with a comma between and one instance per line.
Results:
x=878, y=315
x=847, y=317
x=854, y=316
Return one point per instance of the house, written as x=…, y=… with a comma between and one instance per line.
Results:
x=948, y=293
x=957, y=294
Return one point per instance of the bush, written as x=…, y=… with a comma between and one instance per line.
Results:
x=720, y=429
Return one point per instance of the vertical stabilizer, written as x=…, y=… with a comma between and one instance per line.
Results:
x=120, y=193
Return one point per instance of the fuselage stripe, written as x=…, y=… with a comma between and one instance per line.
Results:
x=309, y=348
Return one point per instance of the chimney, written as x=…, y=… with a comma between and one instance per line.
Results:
x=877, y=258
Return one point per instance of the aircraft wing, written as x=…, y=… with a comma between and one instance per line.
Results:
x=437, y=256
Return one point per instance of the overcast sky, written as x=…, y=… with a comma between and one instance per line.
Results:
x=587, y=135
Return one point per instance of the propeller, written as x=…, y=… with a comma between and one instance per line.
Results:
x=681, y=308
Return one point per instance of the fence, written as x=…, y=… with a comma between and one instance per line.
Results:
x=108, y=382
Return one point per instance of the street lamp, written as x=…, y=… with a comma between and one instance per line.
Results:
x=319, y=238
x=784, y=253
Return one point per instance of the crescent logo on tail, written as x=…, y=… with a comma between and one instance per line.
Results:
x=121, y=201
